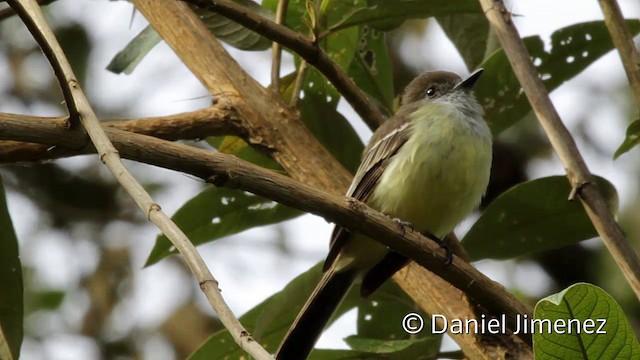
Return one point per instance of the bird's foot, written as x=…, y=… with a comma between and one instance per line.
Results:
x=403, y=225
x=444, y=245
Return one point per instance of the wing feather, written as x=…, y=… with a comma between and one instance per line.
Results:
x=375, y=159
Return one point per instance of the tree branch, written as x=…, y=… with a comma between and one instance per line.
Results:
x=79, y=107
x=623, y=41
x=306, y=48
x=219, y=119
x=224, y=170
x=577, y=172
x=270, y=123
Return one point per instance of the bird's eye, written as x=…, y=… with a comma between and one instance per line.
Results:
x=431, y=92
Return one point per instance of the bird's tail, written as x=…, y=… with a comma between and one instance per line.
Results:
x=315, y=314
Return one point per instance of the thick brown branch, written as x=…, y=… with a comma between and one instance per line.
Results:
x=224, y=170
x=216, y=120
x=306, y=48
x=269, y=122
x=562, y=141
x=623, y=41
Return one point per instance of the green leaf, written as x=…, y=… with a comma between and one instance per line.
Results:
x=418, y=348
x=270, y=320
x=533, y=216
x=128, y=58
x=591, y=307
x=371, y=68
x=469, y=33
x=297, y=18
x=389, y=14
x=224, y=29
x=11, y=288
x=218, y=212
x=235, y=146
x=632, y=139
x=573, y=48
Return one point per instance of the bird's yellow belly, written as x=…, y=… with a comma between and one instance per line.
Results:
x=435, y=180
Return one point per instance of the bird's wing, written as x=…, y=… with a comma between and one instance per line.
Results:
x=374, y=161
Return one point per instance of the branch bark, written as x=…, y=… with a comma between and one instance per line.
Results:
x=81, y=110
x=306, y=48
x=565, y=147
x=292, y=145
x=216, y=120
x=623, y=41
x=225, y=170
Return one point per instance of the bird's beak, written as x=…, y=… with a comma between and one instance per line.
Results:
x=467, y=84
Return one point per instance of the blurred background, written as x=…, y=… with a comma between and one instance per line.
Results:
x=83, y=242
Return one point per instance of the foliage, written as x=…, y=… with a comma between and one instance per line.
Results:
x=600, y=332
x=528, y=218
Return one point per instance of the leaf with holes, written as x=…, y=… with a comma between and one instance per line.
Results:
x=371, y=68
x=224, y=29
x=632, y=139
x=11, y=296
x=533, y=216
x=573, y=48
x=218, y=212
x=582, y=322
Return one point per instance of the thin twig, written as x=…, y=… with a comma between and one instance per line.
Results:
x=563, y=143
x=32, y=16
x=297, y=86
x=623, y=41
x=306, y=48
x=276, y=49
x=225, y=170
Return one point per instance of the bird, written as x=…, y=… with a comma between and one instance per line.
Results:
x=427, y=166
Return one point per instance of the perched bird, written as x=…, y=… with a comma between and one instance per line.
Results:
x=428, y=165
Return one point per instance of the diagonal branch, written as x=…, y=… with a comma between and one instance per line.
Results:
x=306, y=48
x=565, y=147
x=79, y=106
x=229, y=171
x=623, y=41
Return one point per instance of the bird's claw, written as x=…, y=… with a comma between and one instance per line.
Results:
x=403, y=225
x=444, y=245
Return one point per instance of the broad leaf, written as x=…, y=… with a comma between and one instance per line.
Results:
x=11, y=288
x=218, y=212
x=389, y=14
x=533, y=216
x=632, y=139
x=573, y=48
x=224, y=29
x=583, y=322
